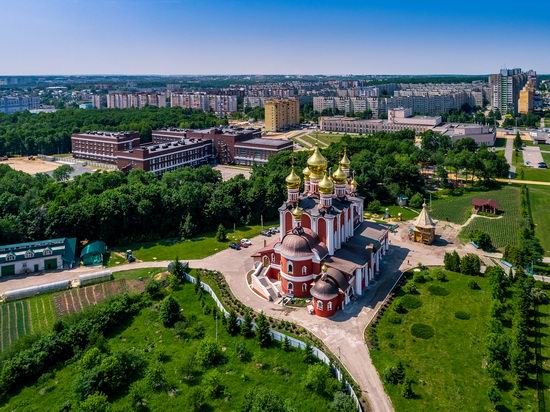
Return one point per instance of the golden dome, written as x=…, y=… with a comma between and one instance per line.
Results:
x=345, y=160
x=324, y=268
x=317, y=162
x=293, y=180
x=326, y=186
x=297, y=213
x=339, y=177
x=306, y=173
x=353, y=183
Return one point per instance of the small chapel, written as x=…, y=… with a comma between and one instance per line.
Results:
x=424, y=227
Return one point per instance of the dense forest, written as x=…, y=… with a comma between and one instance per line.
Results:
x=118, y=207
x=24, y=133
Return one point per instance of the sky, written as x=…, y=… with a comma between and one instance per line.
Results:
x=272, y=36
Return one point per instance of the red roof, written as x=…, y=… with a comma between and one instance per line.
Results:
x=492, y=203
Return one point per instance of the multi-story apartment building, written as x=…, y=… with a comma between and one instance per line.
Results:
x=253, y=101
x=166, y=157
x=102, y=146
x=13, y=104
x=99, y=101
x=398, y=119
x=505, y=88
x=222, y=105
x=139, y=100
x=526, y=98
x=280, y=114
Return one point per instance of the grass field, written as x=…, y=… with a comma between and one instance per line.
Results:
x=406, y=213
x=530, y=173
x=197, y=248
x=269, y=368
x=540, y=200
x=448, y=369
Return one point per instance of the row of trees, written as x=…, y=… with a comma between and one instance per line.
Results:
x=24, y=133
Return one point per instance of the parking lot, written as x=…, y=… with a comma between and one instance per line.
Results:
x=532, y=157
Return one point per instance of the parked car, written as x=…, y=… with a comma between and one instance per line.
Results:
x=234, y=246
x=245, y=242
x=265, y=232
x=274, y=229
x=543, y=165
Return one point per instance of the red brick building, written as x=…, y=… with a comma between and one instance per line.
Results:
x=101, y=146
x=166, y=157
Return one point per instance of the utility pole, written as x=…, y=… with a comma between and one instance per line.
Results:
x=216, y=325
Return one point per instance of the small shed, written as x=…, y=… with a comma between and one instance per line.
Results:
x=92, y=254
x=402, y=200
x=485, y=205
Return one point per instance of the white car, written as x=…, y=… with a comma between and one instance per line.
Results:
x=246, y=242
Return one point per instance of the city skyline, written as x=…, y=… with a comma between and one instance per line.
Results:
x=239, y=37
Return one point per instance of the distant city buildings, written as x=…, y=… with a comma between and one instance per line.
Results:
x=99, y=101
x=481, y=134
x=505, y=88
x=398, y=119
x=134, y=100
x=13, y=104
x=526, y=98
x=281, y=114
x=222, y=105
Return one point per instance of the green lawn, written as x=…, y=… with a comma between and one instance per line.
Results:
x=197, y=248
x=448, y=369
x=279, y=372
x=540, y=200
x=530, y=173
x=406, y=213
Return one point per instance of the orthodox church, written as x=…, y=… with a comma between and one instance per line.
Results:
x=325, y=250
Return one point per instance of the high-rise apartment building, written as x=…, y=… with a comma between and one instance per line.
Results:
x=222, y=105
x=99, y=101
x=505, y=87
x=526, y=97
x=139, y=100
x=280, y=114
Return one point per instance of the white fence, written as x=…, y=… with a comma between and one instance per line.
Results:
x=278, y=336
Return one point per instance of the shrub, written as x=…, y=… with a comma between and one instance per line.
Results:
x=438, y=290
x=395, y=374
x=374, y=206
x=342, y=402
x=440, y=275
x=407, y=390
x=416, y=201
x=422, y=331
x=388, y=334
x=212, y=384
x=209, y=354
x=410, y=302
x=169, y=311
x=287, y=347
x=246, y=325
x=399, y=308
x=155, y=378
x=452, y=261
x=232, y=324
x=411, y=289
x=154, y=290
x=396, y=320
x=196, y=400
x=221, y=234
x=482, y=239
x=420, y=278
x=462, y=315
x=472, y=284
x=243, y=353
x=96, y=402
x=262, y=399
x=308, y=354
x=494, y=395
x=319, y=379
x=188, y=368
x=262, y=330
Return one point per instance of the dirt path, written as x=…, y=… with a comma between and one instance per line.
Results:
x=523, y=182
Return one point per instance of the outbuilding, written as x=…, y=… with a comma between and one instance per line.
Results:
x=39, y=256
x=93, y=252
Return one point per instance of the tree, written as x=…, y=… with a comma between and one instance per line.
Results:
x=262, y=330
x=221, y=235
x=246, y=325
x=451, y=261
x=309, y=357
x=319, y=379
x=96, y=402
x=178, y=270
x=494, y=395
x=232, y=324
x=518, y=144
x=155, y=378
x=264, y=400
x=196, y=399
x=169, y=311
x=62, y=173
x=287, y=347
x=416, y=201
x=407, y=390
x=209, y=354
x=470, y=265
x=395, y=374
x=198, y=281
x=187, y=227
x=482, y=239
x=374, y=206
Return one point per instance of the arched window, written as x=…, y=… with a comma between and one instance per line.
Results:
x=329, y=306
x=320, y=304
x=304, y=287
x=289, y=267
x=273, y=257
x=290, y=287
x=304, y=270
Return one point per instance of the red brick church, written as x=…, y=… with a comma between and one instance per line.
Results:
x=325, y=250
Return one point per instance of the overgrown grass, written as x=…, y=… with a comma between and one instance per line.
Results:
x=269, y=368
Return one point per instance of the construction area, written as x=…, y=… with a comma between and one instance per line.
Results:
x=31, y=165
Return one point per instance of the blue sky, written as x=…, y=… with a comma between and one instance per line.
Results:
x=272, y=36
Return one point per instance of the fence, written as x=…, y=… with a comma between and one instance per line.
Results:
x=278, y=336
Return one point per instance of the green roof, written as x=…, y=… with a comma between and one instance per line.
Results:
x=93, y=248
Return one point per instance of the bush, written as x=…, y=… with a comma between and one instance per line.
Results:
x=407, y=390
x=410, y=302
x=374, y=206
x=440, y=275
x=342, y=402
x=494, y=395
x=420, y=278
x=411, y=289
x=196, y=400
x=232, y=324
x=308, y=354
x=416, y=201
x=319, y=379
x=482, y=239
x=472, y=284
x=462, y=315
x=246, y=325
x=262, y=330
x=169, y=311
x=395, y=374
x=212, y=384
x=209, y=354
x=243, y=353
x=221, y=234
x=154, y=290
x=396, y=320
x=399, y=308
x=155, y=378
x=287, y=347
x=96, y=402
x=422, y=331
x=262, y=399
x=438, y=290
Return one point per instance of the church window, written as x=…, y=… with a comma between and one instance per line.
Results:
x=320, y=304
x=329, y=306
x=273, y=257
x=289, y=267
x=290, y=287
x=304, y=270
x=304, y=287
